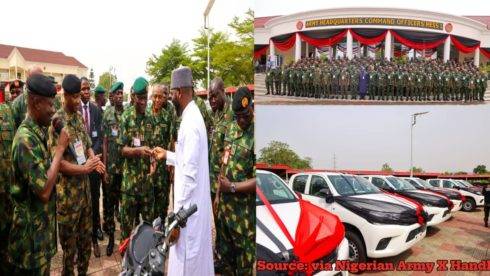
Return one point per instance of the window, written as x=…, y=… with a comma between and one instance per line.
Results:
x=434, y=182
x=274, y=189
x=380, y=183
x=447, y=184
x=299, y=183
x=317, y=183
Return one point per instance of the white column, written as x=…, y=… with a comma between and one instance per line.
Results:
x=307, y=49
x=272, y=53
x=297, y=48
x=388, y=46
x=349, y=45
x=447, y=49
x=477, y=57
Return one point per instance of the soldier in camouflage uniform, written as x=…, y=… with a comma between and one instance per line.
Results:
x=6, y=136
x=285, y=81
x=73, y=202
x=19, y=105
x=222, y=118
x=111, y=186
x=391, y=84
x=135, y=141
x=236, y=208
x=483, y=86
x=278, y=81
x=373, y=83
x=382, y=82
x=269, y=82
x=32, y=240
x=163, y=114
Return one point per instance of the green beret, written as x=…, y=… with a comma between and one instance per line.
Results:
x=99, y=90
x=116, y=86
x=241, y=100
x=140, y=85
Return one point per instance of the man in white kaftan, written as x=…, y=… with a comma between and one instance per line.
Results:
x=192, y=254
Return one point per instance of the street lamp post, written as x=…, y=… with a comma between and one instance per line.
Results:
x=206, y=27
x=413, y=122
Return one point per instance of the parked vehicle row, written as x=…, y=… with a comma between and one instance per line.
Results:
x=382, y=215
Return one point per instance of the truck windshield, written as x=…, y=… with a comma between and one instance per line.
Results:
x=352, y=185
x=274, y=189
x=400, y=184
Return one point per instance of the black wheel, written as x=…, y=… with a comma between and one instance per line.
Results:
x=469, y=204
x=357, y=252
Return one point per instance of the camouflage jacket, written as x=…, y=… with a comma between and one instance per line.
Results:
x=6, y=137
x=72, y=191
x=163, y=131
x=221, y=123
x=136, y=130
x=19, y=109
x=240, y=166
x=111, y=124
x=32, y=240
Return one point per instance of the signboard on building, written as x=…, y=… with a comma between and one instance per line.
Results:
x=374, y=21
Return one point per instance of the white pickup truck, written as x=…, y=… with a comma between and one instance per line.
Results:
x=376, y=224
x=474, y=198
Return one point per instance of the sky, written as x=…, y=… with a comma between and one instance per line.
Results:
x=284, y=7
x=101, y=34
x=448, y=138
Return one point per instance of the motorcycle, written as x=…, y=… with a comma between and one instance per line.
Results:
x=146, y=250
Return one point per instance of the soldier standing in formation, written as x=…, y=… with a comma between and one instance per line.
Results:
x=419, y=80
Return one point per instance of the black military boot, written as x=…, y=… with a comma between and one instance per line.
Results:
x=110, y=245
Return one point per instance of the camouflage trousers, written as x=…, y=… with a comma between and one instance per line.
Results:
x=131, y=207
x=4, y=231
x=112, y=194
x=75, y=232
x=235, y=239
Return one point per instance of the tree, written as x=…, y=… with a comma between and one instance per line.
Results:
x=280, y=153
x=386, y=168
x=417, y=170
x=106, y=80
x=200, y=54
x=480, y=169
x=172, y=56
x=91, y=80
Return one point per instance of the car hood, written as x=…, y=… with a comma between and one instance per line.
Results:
x=425, y=197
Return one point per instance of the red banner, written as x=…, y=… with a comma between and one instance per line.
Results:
x=368, y=40
x=485, y=52
x=463, y=48
x=286, y=44
x=260, y=52
x=417, y=45
x=321, y=42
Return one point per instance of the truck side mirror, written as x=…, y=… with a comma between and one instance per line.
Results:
x=326, y=194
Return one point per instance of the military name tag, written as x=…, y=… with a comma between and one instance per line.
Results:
x=456, y=79
x=409, y=78
x=94, y=134
x=79, y=152
x=389, y=77
x=136, y=142
x=439, y=78
x=399, y=78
